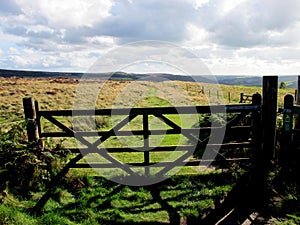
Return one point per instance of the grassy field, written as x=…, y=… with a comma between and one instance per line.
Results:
x=81, y=199
x=60, y=93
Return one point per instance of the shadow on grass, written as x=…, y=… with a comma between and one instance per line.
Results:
x=176, y=200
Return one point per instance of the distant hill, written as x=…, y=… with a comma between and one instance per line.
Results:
x=291, y=81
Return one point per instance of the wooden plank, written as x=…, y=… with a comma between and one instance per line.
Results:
x=158, y=149
x=233, y=129
x=146, y=143
x=296, y=109
x=157, y=164
x=153, y=110
x=256, y=128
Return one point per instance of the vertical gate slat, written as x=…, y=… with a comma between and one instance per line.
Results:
x=146, y=143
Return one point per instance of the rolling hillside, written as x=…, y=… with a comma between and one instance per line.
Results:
x=221, y=79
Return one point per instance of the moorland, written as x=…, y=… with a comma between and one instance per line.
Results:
x=85, y=199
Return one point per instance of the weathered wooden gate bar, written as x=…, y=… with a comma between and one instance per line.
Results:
x=160, y=148
x=296, y=109
x=146, y=142
x=152, y=164
x=236, y=129
x=153, y=110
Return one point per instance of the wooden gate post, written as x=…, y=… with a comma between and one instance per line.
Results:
x=256, y=127
x=260, y=191
x=269, y=113
x=241, y=98
x=30, y=115
x=296, y=141
x=286, y=141
x=297, y=97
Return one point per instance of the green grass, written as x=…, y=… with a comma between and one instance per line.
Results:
x=104, y=202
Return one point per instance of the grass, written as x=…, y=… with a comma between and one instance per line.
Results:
x=182, y=197
x=104, y=202
x=60, y=94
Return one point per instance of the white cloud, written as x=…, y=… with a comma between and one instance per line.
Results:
x=67, y=13
x=231, y=36
x=19, y=61
x=250, y=23
x=227, y=6
x=13, y=51
x=101, y=39
x=196, y=36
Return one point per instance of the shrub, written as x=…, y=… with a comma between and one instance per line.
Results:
x=25, y=167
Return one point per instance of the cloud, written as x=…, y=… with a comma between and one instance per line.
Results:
x=67, y=13
x=96, y=21
x=9, y=7
x=70, y=34
x=251, y=23
x=148, y=20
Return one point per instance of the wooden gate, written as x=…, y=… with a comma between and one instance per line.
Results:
x=238, y=133
x=258, y=135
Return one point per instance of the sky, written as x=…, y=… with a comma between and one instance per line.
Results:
x=226, y=37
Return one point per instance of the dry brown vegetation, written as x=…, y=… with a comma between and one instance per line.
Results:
x=60, y=93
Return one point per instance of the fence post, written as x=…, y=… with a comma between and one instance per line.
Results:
x=241, y=97
x=296, y=141
x=297, y=98
x=30, y=115
x=256, y=127
x=268, y=132
x=286, y=141
x=269, y=113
